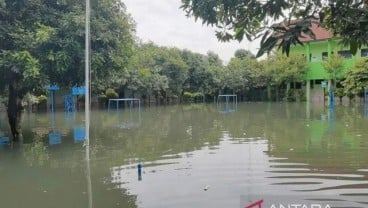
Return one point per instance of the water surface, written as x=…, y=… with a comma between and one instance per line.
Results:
x=192, y=156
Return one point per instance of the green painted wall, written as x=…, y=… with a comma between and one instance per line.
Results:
x=316, y=48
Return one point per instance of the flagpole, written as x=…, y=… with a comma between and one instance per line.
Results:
x=87, y=71
x=87, y=102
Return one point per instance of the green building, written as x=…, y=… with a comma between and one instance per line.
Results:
x=319, y=49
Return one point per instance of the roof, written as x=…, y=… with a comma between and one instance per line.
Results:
x=320, y=33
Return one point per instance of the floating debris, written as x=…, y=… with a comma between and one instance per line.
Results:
x=206, y=187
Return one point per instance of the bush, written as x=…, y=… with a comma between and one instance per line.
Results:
x=102, y=98
x=191, y=97
x=351, y=97
x=291, y=96
x=111, y=94
x=42, y=103
x=42, y=98
x=340, y=93
x=302, y=95
x=187, y=96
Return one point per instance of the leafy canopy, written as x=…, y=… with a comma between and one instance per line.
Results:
x=357, y=77
x=282, y=22
x=334, y=65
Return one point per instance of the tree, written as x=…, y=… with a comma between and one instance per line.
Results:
x=242, y=53
x=282, y=22
x=285, y=69
x=356, y=77
x=145, y=74
x=201, y=73
x=234, y=76
x=42, y=41
x=21, y=35
x=214, y=59
x=111, y=44
x=176, y=71
x=334, y=66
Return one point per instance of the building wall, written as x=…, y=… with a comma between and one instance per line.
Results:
x=316, y=48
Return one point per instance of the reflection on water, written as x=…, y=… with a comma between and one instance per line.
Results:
x=4, y=135
x=188, y=156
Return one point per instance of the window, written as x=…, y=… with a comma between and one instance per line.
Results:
x=324, y=56
x=345, y=54
x=314, y=59
x=364, y=52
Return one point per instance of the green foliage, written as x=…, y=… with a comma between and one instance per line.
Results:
x=340, y=92
x=111, y=94
x=48, y=42
x=29, y=100
x=334, y=65
x=192, y=97
x=41, y=98
x=22, y=68
x=242, y=54
x=253, y=19
x=146, y=70
x=176, y=70
x=290, y=97
x=302, y=95
x=234, y=75
x=356, y=77
x=201, y=72
x=284, y=68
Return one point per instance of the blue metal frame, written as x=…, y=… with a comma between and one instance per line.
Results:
x=69, y=99
x=79, y=90
x=331, y=96
x=69, y=103
x=52, y=89
x=79, y=134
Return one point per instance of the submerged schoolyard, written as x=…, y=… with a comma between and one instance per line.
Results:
x=191, y=156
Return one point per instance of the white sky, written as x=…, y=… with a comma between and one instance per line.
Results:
x=165, y=24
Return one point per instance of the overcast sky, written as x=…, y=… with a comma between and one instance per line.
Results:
x=164, y=23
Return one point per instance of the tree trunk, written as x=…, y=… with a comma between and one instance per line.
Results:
x=287, y=91
x=15, y=112
x=294, y=91
x=269, y=93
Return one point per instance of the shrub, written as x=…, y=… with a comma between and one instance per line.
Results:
x=102, y=98
x=42, y=98
x=302, y=95
x=340, y=93
x=111, y=94
x=191, y=97
x=291, y=96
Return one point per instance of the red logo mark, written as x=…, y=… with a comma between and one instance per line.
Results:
x=257, y=204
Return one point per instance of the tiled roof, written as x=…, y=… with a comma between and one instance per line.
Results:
x=320, y=33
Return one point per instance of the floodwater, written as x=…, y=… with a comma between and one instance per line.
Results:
x=191, y=156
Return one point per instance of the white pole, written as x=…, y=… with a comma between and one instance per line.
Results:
x=87, y=101
x=87, y=67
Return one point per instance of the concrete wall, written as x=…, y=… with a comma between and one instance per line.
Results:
x=316, y=71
